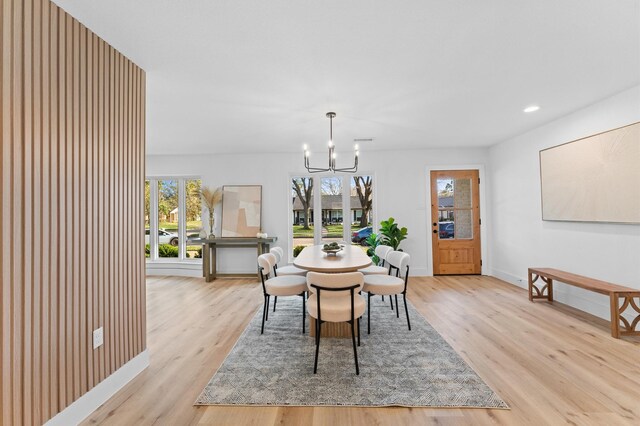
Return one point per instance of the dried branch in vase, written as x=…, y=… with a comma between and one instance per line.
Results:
x=210, y=197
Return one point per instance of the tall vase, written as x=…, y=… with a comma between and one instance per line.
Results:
x=211, y=224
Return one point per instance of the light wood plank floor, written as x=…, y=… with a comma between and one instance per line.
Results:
x=551, y=364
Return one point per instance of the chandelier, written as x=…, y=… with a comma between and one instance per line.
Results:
x=332, y=154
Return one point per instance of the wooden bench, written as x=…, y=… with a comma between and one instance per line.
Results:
x=614, y=291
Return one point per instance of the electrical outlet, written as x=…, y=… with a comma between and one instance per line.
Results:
x=98, y=337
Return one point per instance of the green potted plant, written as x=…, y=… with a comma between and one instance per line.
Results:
x=391, y=234
x=372, y=242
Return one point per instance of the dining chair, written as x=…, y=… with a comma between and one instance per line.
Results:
x=290, y=285
x=381, y=251
x=336, y=298
x=392, y=284
x=286, y=269
x=283, y=270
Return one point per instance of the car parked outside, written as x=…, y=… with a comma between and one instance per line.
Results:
x=446, y=230
x=360, y=236
x=164, y=237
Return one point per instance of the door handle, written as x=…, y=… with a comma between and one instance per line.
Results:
x=435, y=224
x=435, y=231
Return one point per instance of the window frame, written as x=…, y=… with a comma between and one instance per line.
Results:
x=182, y=218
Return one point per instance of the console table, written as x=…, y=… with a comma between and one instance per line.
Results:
x=211, y=245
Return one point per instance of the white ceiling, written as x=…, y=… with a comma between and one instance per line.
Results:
x=238, y=75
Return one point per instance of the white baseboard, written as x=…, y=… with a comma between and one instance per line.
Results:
x=174, y=268
x=419, y=272
x=90, y=401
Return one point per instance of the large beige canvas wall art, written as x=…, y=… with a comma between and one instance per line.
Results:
x=241, y=210
x=594, y=179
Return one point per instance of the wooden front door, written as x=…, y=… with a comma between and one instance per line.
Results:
x=455, y=220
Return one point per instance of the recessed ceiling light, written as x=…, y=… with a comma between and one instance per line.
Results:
x=531, y=108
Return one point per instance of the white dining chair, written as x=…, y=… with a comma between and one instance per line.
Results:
x=279, y=270
x=290, y=285
x=393, y=284
x=336, y=298
x=381, y=251
x=285, y=269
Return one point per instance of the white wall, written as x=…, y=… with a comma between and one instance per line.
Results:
x=401, y=190
x=520, y=239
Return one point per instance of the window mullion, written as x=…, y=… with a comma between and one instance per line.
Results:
x=346, y=209
x=182, y=218
x=153, y=219
x=317, y=210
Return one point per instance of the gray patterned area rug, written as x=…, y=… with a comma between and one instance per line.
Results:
x=398, y=367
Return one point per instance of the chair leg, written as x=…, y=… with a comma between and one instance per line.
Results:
x=275, y=300
x=358, y=331
x=383, y=298
x=355, y=351
x=264, y=313
x=406, y=310
x=397, y=307
x=391, y=301
x=304, y=311
x=266, y=318
x=318, y=330
x=369, y=314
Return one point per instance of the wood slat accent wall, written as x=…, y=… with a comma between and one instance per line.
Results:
x=72, y=182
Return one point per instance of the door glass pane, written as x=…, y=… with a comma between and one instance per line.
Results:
x=446, y=226
x=147, y=217
x=445, y=192
x=462, y=193
x=331, y=204
x=194, y=218
x=464, y=224
x=168, y=218
x=302, y=213
x=361, y=209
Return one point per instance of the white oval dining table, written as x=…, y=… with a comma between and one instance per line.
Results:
x=349, y=259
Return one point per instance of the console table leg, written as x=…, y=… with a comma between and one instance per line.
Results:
x=530, y=287
x=550, y=290
x=206, y=261
x=214, y=262
x=615, y=316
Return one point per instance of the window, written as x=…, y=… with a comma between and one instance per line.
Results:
x=326, y=208
x=302, y=212
x=147, y=217
x=193, y=204
x=361, y=209
x=173, y=218
x=331, y=209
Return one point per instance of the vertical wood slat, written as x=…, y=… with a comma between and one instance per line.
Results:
x=54, y=255
x=72, y=180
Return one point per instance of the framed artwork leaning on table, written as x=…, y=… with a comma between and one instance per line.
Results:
x=241, y=210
